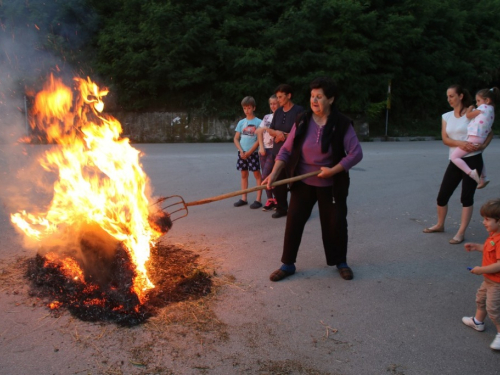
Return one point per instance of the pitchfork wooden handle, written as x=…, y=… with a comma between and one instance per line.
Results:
x=250, y=190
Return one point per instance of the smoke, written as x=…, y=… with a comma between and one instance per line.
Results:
x=24, y=66
x=25, y=63
x=12, y=108
x=31, y=34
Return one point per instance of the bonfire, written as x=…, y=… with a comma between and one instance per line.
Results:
x=96, y=236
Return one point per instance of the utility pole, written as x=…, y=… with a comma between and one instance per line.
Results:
x=387, y=107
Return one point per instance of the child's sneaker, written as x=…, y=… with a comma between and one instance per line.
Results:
x=269, y=205
x=469, y=321
x=482, y=183
x=495, y=345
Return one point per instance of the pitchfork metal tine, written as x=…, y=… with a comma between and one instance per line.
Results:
x=180, y=202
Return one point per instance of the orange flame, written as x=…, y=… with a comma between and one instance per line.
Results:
x=69, y=266
x=100, y=179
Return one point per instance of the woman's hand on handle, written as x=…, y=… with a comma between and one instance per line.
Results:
x=326, y=172
x=329, y=172
x=269, y=180
x=278, y=166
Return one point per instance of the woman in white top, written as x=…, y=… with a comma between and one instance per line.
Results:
x=454, y=134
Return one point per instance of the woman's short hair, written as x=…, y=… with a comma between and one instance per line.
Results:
x=491, y=209
x=327, y=84
x=248, y=100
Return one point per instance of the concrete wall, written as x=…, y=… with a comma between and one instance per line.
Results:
x=158, y=127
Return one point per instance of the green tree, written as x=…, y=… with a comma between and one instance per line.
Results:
x=204, y=56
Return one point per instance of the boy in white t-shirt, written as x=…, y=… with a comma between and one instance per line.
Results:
x=246, y=142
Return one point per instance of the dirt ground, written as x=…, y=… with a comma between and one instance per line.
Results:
x=400, y=315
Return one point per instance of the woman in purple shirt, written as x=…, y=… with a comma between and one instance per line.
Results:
x=322, y=139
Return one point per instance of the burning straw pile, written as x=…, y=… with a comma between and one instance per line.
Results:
x=98, y=235
x=108, y=296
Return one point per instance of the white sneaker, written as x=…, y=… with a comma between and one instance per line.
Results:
x=473, y=174
x=495, y=345
x=468, y=321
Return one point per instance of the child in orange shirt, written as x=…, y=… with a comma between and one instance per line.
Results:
x=488, y=294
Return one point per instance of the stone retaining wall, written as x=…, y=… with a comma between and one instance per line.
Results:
x=159, y=127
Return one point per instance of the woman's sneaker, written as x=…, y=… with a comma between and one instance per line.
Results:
x=270, y=204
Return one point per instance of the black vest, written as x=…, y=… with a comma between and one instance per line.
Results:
x=333, y=134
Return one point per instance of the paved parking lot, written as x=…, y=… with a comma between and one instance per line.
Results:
x=400, y=315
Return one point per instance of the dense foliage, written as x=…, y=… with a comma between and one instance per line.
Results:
x=205, y=55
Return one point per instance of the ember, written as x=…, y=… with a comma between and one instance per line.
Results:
x=175, y=274
x=89, y=300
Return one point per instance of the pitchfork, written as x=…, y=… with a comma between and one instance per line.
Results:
x=180, y=206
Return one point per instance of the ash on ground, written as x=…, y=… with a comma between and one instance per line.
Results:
x=173, y=270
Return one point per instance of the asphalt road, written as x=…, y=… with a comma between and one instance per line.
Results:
x=401, y=314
